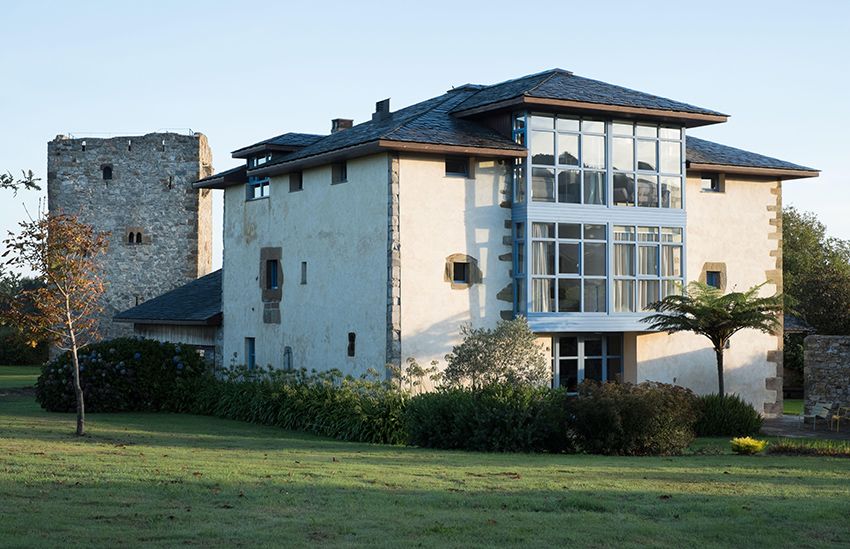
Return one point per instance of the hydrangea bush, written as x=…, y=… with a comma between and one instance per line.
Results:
x=124, y=374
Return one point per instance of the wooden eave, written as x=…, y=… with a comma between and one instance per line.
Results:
x=382, y=145
x=688, y=119
x=774, y=173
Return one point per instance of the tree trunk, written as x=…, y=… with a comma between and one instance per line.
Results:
x=78, y=391
x=718, y=352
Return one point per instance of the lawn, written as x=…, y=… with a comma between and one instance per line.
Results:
x=165, y=479
x=792, y=406
x=17, y=377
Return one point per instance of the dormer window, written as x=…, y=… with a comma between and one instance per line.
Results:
x=259, y=160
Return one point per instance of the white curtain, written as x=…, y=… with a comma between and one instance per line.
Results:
x=624, y=259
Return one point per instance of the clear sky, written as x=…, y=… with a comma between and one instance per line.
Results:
x=241, y=72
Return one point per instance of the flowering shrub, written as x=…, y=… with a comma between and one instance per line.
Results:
x=124, y=374
x=747, y=445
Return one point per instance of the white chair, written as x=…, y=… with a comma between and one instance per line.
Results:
x=821, y=410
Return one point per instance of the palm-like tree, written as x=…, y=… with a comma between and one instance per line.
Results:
x=707, y=311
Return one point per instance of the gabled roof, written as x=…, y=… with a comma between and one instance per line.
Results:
x=196, y=303
x=290, y=141
x=795, y=325
x=558, y=87
x=425, y=123
x=709, y=156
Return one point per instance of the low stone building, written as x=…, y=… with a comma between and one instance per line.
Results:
x=190, y=315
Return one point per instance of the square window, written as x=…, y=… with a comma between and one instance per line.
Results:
x=296, y=182
x=712, y=278
x=457, y=166
x=710, y=183
x=569, y=295
x=460, y=272
x=339, y=173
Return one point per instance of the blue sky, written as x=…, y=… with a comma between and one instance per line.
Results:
x=241, y=72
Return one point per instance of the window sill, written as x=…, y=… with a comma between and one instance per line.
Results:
x=256, y=199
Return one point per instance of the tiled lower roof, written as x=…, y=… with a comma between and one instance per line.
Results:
x=701, y=151
x=198, y=303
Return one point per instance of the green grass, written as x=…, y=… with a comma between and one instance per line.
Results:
x=792, y=406
x=165, y=480
x=18, y=377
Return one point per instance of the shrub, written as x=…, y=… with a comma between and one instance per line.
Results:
x=124, y=374
x=624, y=419
x=360, y=410
x=819, y=448
x=507, y=354
x=16, y=350
x=747, y=446
x=498, y=418
x=727, y=416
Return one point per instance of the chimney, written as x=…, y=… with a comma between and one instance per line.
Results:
x=382, y=110
x=339, y=124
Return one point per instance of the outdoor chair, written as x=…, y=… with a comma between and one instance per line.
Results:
x=821, y=410
x=843, y=412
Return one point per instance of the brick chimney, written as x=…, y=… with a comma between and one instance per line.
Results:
x=339, y=124
x=382, y=110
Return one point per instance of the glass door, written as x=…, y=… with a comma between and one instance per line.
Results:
x=586, y=356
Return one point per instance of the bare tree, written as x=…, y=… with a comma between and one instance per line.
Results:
x=64, y=253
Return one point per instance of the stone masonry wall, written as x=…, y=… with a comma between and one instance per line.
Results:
x=149, y=194
x=826, y=370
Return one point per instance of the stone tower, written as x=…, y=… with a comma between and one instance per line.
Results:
x=139, y=189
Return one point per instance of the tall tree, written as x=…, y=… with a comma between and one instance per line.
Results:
x=816, y=273
x=63, y=252
x=709, y=312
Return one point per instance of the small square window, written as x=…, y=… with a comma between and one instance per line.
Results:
x=339, y=173
x=460, y=272
x=271, y=274
x=296, y=182
x=712, y=278
x=457, y=166
x=711, y=183
x=257, y=187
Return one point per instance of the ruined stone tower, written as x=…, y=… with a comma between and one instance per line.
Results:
x=139, y=189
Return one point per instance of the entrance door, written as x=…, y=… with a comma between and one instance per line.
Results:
x=576, y=357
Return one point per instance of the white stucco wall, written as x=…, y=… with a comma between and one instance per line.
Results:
x=735, y=228
x=441, y=216
x=341, y=232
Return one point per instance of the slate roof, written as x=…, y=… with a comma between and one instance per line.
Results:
x=700, y=151
x=225, y=173
x=289, y=139
x=796, y=325
x=198, y=302
x=427, y=122
x=562, y=84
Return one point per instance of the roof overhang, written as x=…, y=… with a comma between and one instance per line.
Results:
x=687, y=119
x=382, y=145
x=235, y=176
x=215, y=320
x=773, y=173
x=261, y=148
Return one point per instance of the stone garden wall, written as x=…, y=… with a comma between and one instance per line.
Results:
x=827, y=370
